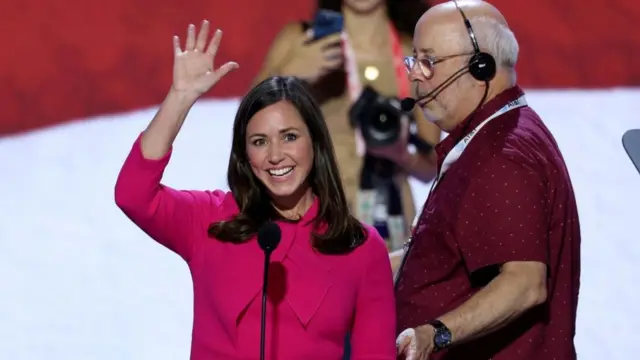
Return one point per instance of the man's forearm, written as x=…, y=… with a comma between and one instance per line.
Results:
x=422, y=167
x=496, y=305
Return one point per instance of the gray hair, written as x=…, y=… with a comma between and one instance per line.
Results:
x=497, y=39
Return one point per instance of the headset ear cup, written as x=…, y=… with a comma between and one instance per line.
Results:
x=482, y=66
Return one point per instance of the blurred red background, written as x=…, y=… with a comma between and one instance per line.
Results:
x=63, y=60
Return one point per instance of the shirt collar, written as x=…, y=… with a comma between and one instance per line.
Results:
x=475, y=118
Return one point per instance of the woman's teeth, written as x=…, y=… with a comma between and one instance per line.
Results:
x=281, y=172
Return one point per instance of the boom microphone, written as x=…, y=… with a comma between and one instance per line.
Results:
x=408, y=103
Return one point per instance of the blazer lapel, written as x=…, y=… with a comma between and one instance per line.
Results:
x=308, y=283
x=308, y=275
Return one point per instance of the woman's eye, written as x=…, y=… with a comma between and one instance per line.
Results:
x=258, y=142
x=291, y=137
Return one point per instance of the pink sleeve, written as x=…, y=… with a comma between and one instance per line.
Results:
x=174, y=218
x=374, y=327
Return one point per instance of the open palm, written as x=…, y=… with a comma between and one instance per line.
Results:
x=193, y=69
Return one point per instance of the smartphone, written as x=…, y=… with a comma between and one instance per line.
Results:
x=327, y=22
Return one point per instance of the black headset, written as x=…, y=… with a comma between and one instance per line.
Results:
x=482, y=65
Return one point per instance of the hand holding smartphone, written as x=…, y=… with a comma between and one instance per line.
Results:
x=320, y=51
x=325, y=23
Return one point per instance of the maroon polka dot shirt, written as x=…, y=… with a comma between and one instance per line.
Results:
x=507, y=198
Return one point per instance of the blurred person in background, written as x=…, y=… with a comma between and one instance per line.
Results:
x=369, y=51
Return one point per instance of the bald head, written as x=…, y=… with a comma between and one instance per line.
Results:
x=442, y=39
x=490, y=27
x=471, y=8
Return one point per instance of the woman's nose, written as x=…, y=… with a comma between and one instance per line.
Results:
x=276, y=155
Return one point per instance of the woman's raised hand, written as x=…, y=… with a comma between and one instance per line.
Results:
x=194, y=71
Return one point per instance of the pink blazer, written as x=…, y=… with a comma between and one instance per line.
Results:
x=314, y=299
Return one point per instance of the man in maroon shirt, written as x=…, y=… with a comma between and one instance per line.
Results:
x=493, y=267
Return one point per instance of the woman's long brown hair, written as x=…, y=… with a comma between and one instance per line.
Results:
x=336, y=231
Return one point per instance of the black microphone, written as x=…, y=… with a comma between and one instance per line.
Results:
x=269, y=236
x=408, y=103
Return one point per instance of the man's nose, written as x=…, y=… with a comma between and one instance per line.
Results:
x=415, y=73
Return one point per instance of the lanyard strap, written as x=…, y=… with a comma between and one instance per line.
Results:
x=354, y=85
x=451, y=158
x=461, y=146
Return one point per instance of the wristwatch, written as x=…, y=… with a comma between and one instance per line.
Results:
x=442, y=336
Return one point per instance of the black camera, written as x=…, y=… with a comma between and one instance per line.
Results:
x=380, y=120
x=378, y=117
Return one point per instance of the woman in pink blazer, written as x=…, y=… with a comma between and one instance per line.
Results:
x=329, y=276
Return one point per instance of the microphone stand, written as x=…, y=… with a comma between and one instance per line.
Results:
x=263, y=320
x=269, y=236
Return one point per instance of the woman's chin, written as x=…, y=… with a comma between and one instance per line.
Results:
x=282, y=192
x=282, y=189
x=287, y=193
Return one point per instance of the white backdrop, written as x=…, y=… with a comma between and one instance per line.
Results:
x=78, y=281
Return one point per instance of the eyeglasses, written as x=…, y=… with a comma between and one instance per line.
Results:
x=427, y=64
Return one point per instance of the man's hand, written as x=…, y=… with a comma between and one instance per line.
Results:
x=423, y=167
x=416, y=344
x=398, y=151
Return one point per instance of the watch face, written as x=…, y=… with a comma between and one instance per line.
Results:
x=442, y=338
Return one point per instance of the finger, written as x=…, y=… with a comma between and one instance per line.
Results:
x=411, y=353
x=212, y=49
x=332, y=40
x=332, y=64
x=404, y=339
x=308, y=35
x=423, y=355
x=335, y=53
x=203, y=35
x=402, y=348
x=404, y=126
x=191, y=38
x=176, y=45
x=228, y=67
x=224, y=70
x=331, y=46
